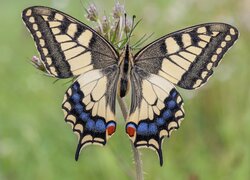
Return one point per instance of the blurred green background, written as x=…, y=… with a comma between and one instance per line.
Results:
x=212, y=143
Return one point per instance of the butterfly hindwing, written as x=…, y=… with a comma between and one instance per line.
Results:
x=89, y=106
x=67, y=47
x=187, y=57
x=156, y=110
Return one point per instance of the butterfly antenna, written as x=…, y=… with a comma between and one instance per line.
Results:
x=133, y=27
x=125, y=16
x=133, y=23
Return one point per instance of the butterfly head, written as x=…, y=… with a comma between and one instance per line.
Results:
x=126, y=58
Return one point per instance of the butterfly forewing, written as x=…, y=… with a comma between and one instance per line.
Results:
x=156, y=110
x=67, y=46
x=89, y=106
x=187, y=57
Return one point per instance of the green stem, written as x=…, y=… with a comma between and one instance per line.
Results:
x=137, y=155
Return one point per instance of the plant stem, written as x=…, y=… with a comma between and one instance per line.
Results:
x=137, y=156
x=100, y=26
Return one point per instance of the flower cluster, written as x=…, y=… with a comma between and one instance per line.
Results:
x=112, y=27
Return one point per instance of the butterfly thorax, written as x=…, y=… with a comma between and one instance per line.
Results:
x=125, y=63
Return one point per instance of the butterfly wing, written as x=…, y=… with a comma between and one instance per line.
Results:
x=70, y=48
x=187, y=57
x=67, y=47
x=156, y=109
x=89, y=106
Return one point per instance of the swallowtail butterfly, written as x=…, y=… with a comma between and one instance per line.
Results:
x=185, y=58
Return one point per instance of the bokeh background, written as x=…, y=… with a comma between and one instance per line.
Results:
x=212, y=143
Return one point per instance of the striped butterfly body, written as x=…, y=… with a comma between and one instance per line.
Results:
x=186, y=58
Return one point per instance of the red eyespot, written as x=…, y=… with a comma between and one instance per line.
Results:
x=130, y=130
x=111, y=128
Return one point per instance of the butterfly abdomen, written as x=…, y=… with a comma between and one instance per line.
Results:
x=123, y=87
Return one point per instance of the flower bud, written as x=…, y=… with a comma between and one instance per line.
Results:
x=105, y=24
x=92, y=13
x=37, y=63
x=118, y=10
